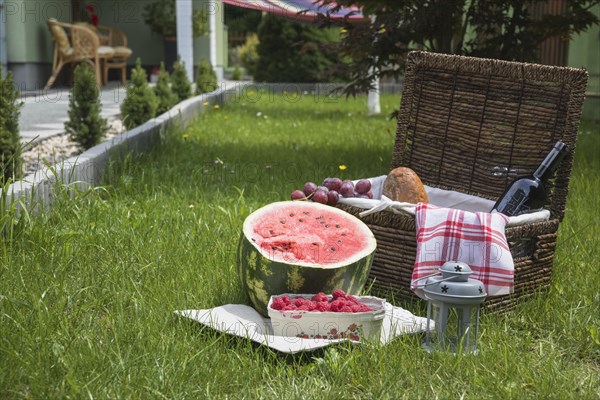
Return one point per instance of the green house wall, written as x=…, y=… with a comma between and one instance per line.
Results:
x=27, y=35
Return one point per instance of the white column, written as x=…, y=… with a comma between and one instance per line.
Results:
x=3, y=57
x=185, y=35
x=373, y=96
x=212, y=31
x=373, y=99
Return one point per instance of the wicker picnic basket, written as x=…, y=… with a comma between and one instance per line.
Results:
x=472, y=125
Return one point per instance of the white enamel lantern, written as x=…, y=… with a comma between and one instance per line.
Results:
x=453, y=301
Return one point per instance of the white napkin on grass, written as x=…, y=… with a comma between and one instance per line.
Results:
x=244, y=321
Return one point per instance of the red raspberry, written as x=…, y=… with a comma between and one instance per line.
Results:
x=365, y=308
x=298, y=301
x=323, y=306
x=345, y=309
x=312, y=305
x=352, y=299
x=320, y=297
x=355, y=308
x=285, y=299
x=339, y=293
x=304, y=307
x=277, y=304
x=289, y=307
x=344, y=303
x=336, y=305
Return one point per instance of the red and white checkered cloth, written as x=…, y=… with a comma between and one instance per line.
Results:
x=476, y=238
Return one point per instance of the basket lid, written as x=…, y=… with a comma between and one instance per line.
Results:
x=473, y=125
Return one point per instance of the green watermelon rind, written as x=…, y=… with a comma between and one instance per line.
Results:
x=262, y=277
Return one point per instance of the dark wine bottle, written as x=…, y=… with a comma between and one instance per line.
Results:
x=528, y=193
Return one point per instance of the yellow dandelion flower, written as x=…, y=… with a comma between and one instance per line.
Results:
x=343, y=30
x=186, y=136
x=216, y=106
x=205, y=103
x=342, y=167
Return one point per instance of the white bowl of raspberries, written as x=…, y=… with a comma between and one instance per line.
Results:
x=326, y=317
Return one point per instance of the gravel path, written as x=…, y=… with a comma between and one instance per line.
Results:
x=57, y=148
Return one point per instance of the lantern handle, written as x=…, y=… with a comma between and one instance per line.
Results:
x=431, y=283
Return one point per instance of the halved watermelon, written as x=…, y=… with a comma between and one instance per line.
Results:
x=303, y=247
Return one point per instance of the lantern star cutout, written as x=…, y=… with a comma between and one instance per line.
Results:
x=458, y=268
x=480, y=290
x=444, y=289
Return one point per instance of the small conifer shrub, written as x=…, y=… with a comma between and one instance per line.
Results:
x=248, y=53
x=206, y=79
x=10, y=146
x=236, y=75
x=140, y=103
x=85, y=125
x=164, y=93
x=180, y=84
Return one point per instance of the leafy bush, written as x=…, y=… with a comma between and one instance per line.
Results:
x=240, y=20
x=85, y=126
x=501, y=29
x=164, y=93
x=206, y=79
x=10, y=146
x=237, y=75
x=247, y=53
x=140, y=103
x=293, y=52
x=180, y=84
x=161, y=18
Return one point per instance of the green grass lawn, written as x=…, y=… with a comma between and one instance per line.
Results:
x=87, y=291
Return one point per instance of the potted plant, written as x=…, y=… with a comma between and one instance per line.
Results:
x=161, y=17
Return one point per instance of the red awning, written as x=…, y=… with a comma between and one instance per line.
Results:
x=305, y=10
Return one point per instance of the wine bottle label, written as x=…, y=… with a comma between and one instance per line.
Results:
x=528, y=193
x=518, y=203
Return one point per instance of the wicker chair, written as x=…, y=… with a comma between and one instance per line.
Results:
x=116, y=39
x=74, y=44
x=472, y=125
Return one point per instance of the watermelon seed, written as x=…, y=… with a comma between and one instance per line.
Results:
x=339, y=241
x=343, y=234
x=291, y=214
x=305, y=212
x=282, y=221
x=300, y=220
x=333, y=249
x=337, y=226
x=254, y=240
x=322, y=222
x=326, y=226
x=314, y=244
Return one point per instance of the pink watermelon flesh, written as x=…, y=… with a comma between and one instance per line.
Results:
x=307, y=235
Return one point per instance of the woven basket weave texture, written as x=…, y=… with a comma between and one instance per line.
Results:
x=472, y=125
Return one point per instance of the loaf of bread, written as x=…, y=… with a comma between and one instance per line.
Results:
x=403, y=184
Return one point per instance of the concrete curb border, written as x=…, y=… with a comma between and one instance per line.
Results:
x=88, y=168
